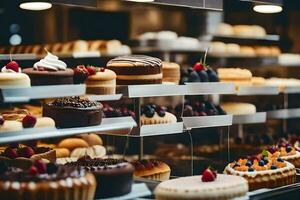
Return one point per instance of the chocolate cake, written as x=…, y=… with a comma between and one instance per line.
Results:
x=74, y=112
x=46, y=181
x=136, y=69
x=114, y=177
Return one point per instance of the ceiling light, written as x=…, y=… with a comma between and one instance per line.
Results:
x=267, y=8
x=35, y=5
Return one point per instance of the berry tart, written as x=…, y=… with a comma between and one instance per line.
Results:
x=114, y=177
x=263, y=172
x=74, y=112
x=136, y=70
x=46, y=181
x=152, y=169
x=50, y=71
x=207, y=186
x=12, y=77
x=152, y=114
x=286, y=152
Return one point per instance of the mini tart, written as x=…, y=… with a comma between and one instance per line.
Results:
x=152, y=169
x=103, y=82
x=114, y=177
x=263, y=176
x=156, y=119
x=225, y=187
x=65, y=184
x=14, y=80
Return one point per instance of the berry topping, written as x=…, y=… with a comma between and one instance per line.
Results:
x=272, y=149
x=84, y=158
x=198, y=67
x=91, y=70
x=29, y=121
x=160, y=111
x=289, y=149
x=194, y=77
x=33, y=170
x=1, y=121
x=202, y=113
x=51, y=168
x=14, y=145
x=261, y=163
x=266, y=160
x=208, y=175
x=10, y=153
x=26, y=152
x=3, y=167
x=280, y=160
x=149, y=165
x=13, y=65
x=80, y=74
x=212, y=75
x=40, y=166
x=249, y=163
x=273, y=167
x=102, y=69
x=250, y=169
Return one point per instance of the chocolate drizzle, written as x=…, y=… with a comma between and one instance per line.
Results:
x=136, y=59
x=75, y=102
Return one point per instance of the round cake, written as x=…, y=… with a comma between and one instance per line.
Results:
x=50, y=71
x=74, y=112
x=136, y=69
x=286, y=152
x=192, y=187
x=114, y=177
x=152, y=114
x=235, y=75
x=103, y=82
x=238, y=108
x=42, y=181
x=263, y=172
x=11, y=77
x=171, y=72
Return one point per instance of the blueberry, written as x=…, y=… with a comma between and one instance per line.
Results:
x=153, y=106
x=273, y=167
x=190, y=70
x=147, y=108
x=51, y=168
x=250, y=169
x=161, y=113
x=249, y=163
x=203, y=76
x=261, y=163
x=279, y=160
x=194, y=77
x=289, y=149
x=150, y=113
x=188, y=111
x=212, y=75
x=266, y=160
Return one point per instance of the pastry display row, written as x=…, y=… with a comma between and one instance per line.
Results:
x=249, y=31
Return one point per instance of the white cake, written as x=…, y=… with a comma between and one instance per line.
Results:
x=192, y=187
x=234, y=108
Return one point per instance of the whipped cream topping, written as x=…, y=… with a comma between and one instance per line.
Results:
x=51, y=63
x=5, y=70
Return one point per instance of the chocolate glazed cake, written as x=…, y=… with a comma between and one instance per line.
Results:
x=114, y=177
x=136, y=69
x=74, y=112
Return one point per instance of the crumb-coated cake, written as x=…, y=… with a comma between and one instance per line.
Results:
x=193, y=187
x=263, y=171
x=50, y=71
x=136, y=70
x=74, y=111
x=152, y=114
x=46, y=181
x=114, y=177
x=152, y=169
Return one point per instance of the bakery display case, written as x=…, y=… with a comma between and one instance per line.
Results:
x=149, y=100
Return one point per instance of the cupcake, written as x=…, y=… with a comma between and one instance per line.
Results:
x=50, y=71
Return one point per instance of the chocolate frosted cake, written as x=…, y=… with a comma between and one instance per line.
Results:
x=136, y=69
x=114, y=177
x=74, y=112
x=41, y=181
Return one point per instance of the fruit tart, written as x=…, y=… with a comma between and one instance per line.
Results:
x=286, y=152
x=153, y=114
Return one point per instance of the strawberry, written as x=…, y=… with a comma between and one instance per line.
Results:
x=33, y=170
x=198, y=67
x=40, y=166
x=29, y=121
x=91, y=70
x=1, y=121
x=102, y=69
x=80, y=74
x=10, y=153
x=208, y=175
x=26, y=152
x=13, y=65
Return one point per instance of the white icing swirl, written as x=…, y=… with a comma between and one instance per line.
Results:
x=50, y=62
x=5, y=70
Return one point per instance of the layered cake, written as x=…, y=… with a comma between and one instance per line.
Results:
x=263, y=171
x=234, y=108
x=73, y=112
x=205, y=187
x=50, y=71
x=152, y=169
x=114, y=177
x=46, y=181
x=235, y=75
x=152, y=114
x=12, y=77
x=136, y=69
x=171, y=72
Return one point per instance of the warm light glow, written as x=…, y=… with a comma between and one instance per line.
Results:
x=141, y=0
x=35, y=5
x=267, y=8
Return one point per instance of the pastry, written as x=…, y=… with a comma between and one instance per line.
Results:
x=72, y=143
x=282, y=83
x=62, y=152
x=10, y=126
x=234, y=108
x=50, y=71
x=263, y=172
x=208, y=186
x=235, y=75
x=102, y=82
x=136, y=69
x=46, y=181
x=114, y=177
x=152, y=114
x=171, y=72
x=44, y=122
x=258, y=81
x=247, y=51
x=92, y=139
x=151, y=169
x=249, y=31
x=275, y=51
x=95, y=151
x=218, y=48
x=12, y=77
x=263, y=51
x=73, y=112
x=233, y=49
x=224, y=29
